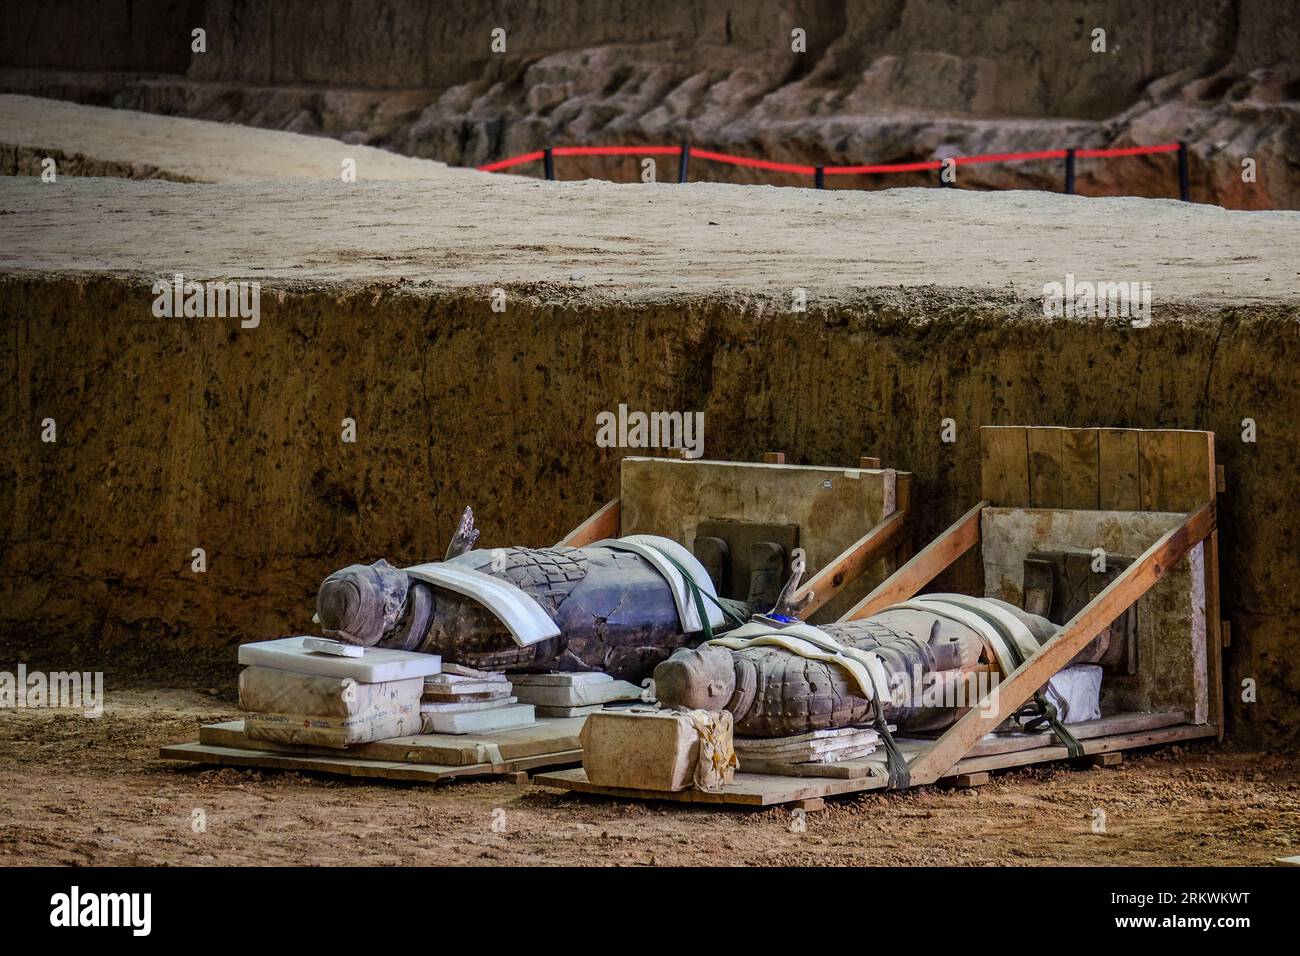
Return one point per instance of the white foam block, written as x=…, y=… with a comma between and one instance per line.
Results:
x=562, y=680
x=457, y=707
x=577, y=695
x=478, y=721
x=324, y=645
x=378, y=664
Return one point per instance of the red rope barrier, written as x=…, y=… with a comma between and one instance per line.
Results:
x=512, y=161
x=767, y=164
x=804, y=170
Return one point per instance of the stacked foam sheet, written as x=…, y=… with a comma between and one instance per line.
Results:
x=816, y=747
x=572, y=695
x=462, y=700
x=295, y=694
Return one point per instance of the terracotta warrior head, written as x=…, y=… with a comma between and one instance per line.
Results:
x=362, y=602
x=702, y=678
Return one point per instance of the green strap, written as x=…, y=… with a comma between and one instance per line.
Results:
x=698, y=593
x=1044, y=711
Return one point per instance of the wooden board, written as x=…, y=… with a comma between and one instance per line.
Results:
x=1109, y=726
x=1046, y=449
x=546, y=736
x=603, y=524
x=1123, y=591
x=833, y=507
x=1107, y=469
x=1004, y=466
x=352, y=767
x=766, y=790
x=922, y=568
x=1118, y=470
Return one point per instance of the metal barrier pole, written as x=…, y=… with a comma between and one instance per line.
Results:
x=684, y=164
x=1184, y=183
x=1069, y=171
x=548, y=161
x=819, y=177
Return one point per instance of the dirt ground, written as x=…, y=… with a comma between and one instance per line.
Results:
x=87, y=792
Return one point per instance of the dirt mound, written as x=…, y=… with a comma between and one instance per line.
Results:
x=94, y=141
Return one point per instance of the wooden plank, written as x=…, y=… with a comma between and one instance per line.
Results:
x=762, y=790
x=1112, y=759
x=848, y=770
x=868, y=462
x=1080, y=469
x=1158, y=477
x=1004, y=466
x=1118, y=470
x=1121, y=593
x=346, y=766
x=904, y=583
x=603, y=524
x=1108, y=726
x=1026, y=758
x=774, y=458
x=832, y=507
x=343, y=764
x=965, y=780
x=546, y=736
x=853, y=562
x=1046, y=449
x=1217, y=635
x=745, y=790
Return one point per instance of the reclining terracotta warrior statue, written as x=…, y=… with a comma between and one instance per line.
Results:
x=779, y=677
x=615, y=606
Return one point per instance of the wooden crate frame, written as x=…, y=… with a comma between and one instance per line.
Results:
x=1030, y=467
x=890, y=536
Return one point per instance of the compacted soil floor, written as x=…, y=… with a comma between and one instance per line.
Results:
x=81, y=791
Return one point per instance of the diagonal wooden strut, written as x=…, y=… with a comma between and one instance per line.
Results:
x=605, y=523
x=936, y=556
x=1133, y=582
x=853, y=562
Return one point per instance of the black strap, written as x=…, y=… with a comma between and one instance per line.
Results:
x=1044, y=711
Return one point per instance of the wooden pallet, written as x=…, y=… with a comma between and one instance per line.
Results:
x=1097, y=738
x=427, y=758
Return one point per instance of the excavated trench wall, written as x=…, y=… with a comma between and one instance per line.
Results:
x=179, y=434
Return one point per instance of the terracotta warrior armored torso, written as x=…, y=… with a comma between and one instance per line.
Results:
x=775, y=692
x=615, y=612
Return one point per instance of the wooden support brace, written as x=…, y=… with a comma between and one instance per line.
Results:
x=853, y=562
x=1109, y=759
x=1129, y=585
x=966, y=780
x=924, y=567
x=604, y=523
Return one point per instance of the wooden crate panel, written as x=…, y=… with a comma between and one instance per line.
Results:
x=833, y=507
x=1106, y=469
